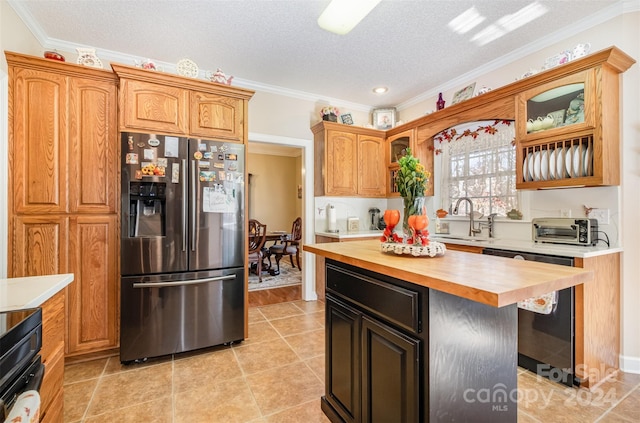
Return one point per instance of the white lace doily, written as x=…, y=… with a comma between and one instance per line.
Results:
x=187, y=67
x=434, y=249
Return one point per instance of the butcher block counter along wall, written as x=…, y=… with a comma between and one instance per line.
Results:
x=417, y=339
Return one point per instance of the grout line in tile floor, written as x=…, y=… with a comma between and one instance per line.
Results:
x=303, y=409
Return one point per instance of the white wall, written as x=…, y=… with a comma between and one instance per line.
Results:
x=273, y=193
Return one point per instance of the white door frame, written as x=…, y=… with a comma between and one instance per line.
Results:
x=308, y=229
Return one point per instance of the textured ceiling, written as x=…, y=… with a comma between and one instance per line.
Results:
x=402, y=44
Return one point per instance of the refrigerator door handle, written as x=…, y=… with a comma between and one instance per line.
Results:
x=183, y=283
x=194, y=191
x=185, y=204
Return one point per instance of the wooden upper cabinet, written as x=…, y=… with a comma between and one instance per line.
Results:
x=420, y=141
x=94, y=150
x=349, y=161
x=371, y=174
x=162, y=103
x=568, y=124
x=216, y=116
x=63, y=149
x=151, y=107
x=342, y=174
x=38, y=141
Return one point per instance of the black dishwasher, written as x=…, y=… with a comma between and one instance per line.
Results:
x=546, y=341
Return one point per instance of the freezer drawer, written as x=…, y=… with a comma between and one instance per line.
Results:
x=167, y=314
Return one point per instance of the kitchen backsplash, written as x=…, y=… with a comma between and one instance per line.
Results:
x=542, y=203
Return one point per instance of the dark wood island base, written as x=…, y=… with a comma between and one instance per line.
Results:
x=425, y=340
x=397, y=352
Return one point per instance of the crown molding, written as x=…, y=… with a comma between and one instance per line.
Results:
x=616, y=9
x=610, y=12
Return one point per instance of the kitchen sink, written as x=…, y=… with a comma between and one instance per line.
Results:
x=464, y=238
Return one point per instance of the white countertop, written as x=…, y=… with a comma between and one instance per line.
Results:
x=349, y=235
x=30, y=292
x=528, y=246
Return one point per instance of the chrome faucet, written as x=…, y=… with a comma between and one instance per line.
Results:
x=489, y=224
x=472, y=229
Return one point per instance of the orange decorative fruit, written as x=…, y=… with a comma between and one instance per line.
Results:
x=420, y=222
x=391, y=217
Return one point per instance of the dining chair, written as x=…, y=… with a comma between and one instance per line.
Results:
x=257, y=238
x=289, y=245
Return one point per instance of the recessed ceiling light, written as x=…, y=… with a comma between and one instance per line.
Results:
x=380, y=90
x=341, y=16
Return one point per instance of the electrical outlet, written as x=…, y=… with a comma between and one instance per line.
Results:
x=601, y=214
x=565, y=212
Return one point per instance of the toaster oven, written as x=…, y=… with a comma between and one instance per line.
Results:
x=565, y=230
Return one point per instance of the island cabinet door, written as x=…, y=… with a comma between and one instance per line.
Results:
x=343, y=359
x=390, y=374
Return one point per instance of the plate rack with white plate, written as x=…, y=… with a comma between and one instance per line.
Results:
x=556, y=161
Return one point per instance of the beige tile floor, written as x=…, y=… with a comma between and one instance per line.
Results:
x=277, y=375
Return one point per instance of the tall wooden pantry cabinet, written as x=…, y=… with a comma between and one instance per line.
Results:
x=63, y=190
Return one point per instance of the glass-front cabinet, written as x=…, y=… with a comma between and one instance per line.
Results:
x=559, y=107
x=420, y=141
x=568, y=131
x=397, y=146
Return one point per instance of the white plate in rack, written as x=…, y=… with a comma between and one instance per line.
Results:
x=561, y=170
x=525, y=168
x=578, y=160
x=588, y=168
x=552, y=164
x=544, y=165
x=568, y=160
x=536, y=166
x=530, y=165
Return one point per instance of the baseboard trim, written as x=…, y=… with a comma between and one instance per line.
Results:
x=629, y=364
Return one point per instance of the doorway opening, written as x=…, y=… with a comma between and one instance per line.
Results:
x=281, y=189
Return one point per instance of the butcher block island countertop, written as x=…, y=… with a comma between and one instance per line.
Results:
x=496, y=281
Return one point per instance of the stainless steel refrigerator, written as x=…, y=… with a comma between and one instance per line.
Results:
x=182, y=245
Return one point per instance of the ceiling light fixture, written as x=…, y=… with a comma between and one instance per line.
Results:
x=341, y=16
x=380, y=90
x=466, y=21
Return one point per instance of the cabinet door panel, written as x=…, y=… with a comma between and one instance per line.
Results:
x=94, y=146
x=390, y=379
x=343, y=359
x=342, y=172
x=153, y=107
x=38, y=143
x=371, y=169
x=39, y=246
x=92, y=299
x=216, y=116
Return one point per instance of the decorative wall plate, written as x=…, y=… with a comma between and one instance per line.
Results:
x=87, y=57
x=187, y=67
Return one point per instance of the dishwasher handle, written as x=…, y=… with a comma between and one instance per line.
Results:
x=182, y=283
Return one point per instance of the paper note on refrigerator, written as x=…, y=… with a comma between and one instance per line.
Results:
x=216, y=201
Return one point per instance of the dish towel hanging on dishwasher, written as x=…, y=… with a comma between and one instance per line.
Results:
x=544, y=304
x=26, y=409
